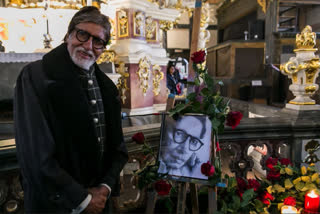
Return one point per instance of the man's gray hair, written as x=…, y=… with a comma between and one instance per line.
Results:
x=93, y=15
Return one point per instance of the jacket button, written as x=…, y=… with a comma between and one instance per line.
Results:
x=93, y=102
x=90, y=82
x=95, y=120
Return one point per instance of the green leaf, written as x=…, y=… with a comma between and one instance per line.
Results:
x=192, y=96
x=244, y=203
x=248, y=195
x=178, y=108
x=224, y=208
x=215, y=124
x=236, y=202
x=196, y=81
x=169, y=204
x=258, y=204
x=196, y=107
x=205, y=92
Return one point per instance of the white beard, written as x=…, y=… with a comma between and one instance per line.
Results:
x=82, y=63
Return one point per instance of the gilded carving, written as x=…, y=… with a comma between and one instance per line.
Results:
x=302, y=103
x=157, y=77
x=310, y=89
x=303, y=69
x=143, y=74
x=166, y=25
x=106, y=56
x=294, y=78
x=307, y=38
x=151, y=29
x=204, y=34
x=311, y=70
x=139, y=24
x=122, y=81
x=263, y=4
x=123, y=25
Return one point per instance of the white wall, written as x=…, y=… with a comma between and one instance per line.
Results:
x=21, y=30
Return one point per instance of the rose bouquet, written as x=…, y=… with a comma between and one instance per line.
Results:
x=289, y=184
x=206, y=100
x=284, y=185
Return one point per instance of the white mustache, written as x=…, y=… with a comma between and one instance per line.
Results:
x=90, y=53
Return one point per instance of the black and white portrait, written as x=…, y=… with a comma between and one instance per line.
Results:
x=185, y=145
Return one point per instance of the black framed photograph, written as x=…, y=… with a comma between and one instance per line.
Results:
x=185, y=145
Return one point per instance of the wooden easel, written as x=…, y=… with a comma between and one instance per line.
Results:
x=182, y=186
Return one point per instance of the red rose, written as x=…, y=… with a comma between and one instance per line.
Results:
x=233, y=118
x=285, y=161
x=253, y=184
x=138, y=138
x=273, y=175
x=207, y=169
x=218, y=146
x=265, y=201
x=242, y=184
x=240, y=193
x=271, y=162
x=198, y=57
x=162, y=187
x=267, y=195
x=291, y=201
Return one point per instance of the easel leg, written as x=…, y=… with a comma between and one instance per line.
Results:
x=194, y=198
x=212, y=199
x=151, y=201
x=182, y=194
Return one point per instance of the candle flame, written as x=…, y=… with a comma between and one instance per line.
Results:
x=312, y=194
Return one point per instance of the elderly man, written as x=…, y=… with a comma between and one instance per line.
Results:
x=67, y=123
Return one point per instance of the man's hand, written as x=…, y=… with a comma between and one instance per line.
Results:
x=98, y=201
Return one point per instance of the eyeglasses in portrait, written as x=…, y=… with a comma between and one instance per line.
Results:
x=185, y=144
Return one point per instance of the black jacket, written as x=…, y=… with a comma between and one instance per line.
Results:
x=57, y=148
x=172, y=82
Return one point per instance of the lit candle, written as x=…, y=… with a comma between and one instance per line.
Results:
x=311, y=201
x=288, y=209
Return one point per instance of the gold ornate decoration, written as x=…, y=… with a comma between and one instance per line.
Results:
x=166, y=25
x=263, y=4
x=310, y=89
x=205, y=13
x=151, y=29
x=143, y=74
x=157, y=77
x=139, y=24
x=304, y=103
x=294, y=78
x=311, y=70
x=123, y=25
x=106, y=56
x=303, y=69
x=122, y=81
x=306, y=40
x=204, y=34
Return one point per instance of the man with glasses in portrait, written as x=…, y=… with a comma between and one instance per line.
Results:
x=68, y=130
x=185, y=146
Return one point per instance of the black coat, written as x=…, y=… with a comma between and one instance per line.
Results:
x=172, y=82
x=57, y=147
